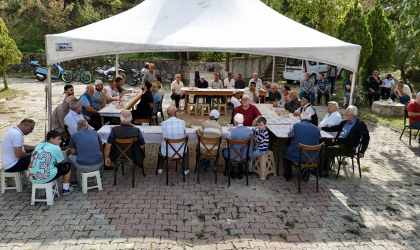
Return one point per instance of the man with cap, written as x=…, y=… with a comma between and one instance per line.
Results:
x=372, y=86
x=239, y=83
x=216, y=83
x=252, y=92
x=387, y=86
x=402, y=92
x=229, y=83
x=235, y=98
x=156, y=97
x=100, y=94
x=257, y=81
x=322, y=86
x=292, y=103
x=210, y=129
x=333, y=117
x=306, y=86
x=273, y=96
x=285, y=92
x=413, y=110
x=68, y=90
x=347, y=92
x=306, y=106
x=250, y=112
x=202, y=84
x=239, y=133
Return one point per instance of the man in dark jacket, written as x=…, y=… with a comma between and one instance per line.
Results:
x=143, y=109
x=372, y=86
x=239, y=83
x=347, y=138
x=201, y=84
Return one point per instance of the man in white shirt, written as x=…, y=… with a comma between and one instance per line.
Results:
x=229, y=83
x=285, y=91
x=252, y=92
x=177, y=93
x=235, y=98
x=307, y=107
x=16, y=156
x=257, y=81
x=216, y=83
x=402, y=92
x=74, y=116
x=112, y=93
x=387, y=86
x=333, y=117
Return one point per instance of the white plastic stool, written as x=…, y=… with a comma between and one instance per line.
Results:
x=85, y=176
x=51, y=189
x=18, y=181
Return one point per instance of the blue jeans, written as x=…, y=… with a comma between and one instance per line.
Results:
x=327, y=96
x=355, y=95
x=312, y=93
x=403, y=99
x=332, y=81
x=255, y=154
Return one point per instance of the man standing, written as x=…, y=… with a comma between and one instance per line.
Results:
x=332, y=76
x=322, y=85
x=250, y=112
x=372, y=85
x=176, y=87
x=306, y=106
x=100, y=94
x=16, y=156
x=202, y=84
x=347, y=92
x=274, y=96
x=74, y=116
x=292, y=102
x=149, y=75
x=90, y=107
x=209, y=129
x=156, y=97
x=239, y=83
x=402, y=92
x=85, y=151
x=112, y=93
x=306, y=86
x=68, y=90
x=252, y=92
x=285, y=91
x=413, y=110
x=235, y=98
x=58, y=116
x=347, y=139
x=229, y=83
x=305, y=133
x=257, y=81
x=387, y=86
x=333, y=117
x=173, y=128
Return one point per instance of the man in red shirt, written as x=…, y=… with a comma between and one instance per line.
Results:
x=413, y=109
x=249, y=111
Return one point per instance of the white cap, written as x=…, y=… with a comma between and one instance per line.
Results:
x=334, y=103
x=245, y=96
x=239, y=118
x=214, y=113
x=235, y=91
x=97, y=82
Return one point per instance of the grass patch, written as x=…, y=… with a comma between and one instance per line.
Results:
x=362, y=225
x=202, y=217
x=291, y=224
x=199, y=235
x=354, y=231
x=366, y=169
x=284, y=211
x=213, y=233
x=416, y=174
x=281, y=217
x=217, y=214
x=391, y=196
x=8, y=92
x=283, y=236
x=379, y=210
x=228, y=230
x=393, y=231
x=391, y=209
x=354, y=205
x=349, y=218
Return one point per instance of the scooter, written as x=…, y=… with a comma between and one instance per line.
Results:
x=109, y=73
x=41, y=73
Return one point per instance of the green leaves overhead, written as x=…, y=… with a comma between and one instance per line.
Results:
x=9, y=53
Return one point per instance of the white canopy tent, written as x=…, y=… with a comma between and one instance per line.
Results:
x=244, y=26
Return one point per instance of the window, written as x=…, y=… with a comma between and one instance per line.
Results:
x=294, y=62
x=312, y=63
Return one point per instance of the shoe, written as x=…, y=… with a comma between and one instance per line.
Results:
x=102, y=177
x=160, y=171
x=249, y=173
x=333, y=94
x=178, y=109
x=108, y=168
x=73, y=183
x=240, y=175
x=68, y=191
x=232, y=175
x=186, y=172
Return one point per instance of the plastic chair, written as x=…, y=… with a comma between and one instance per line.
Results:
x=18, y=181
x=51, y=189
x=96, y=174
x=310, y=165
x=176, y=157
x=407, y=125
x=202, y=157
x=264, y=165
x=230, y=161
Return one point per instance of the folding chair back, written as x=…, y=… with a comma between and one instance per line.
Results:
x=209, y=145
x=238, y=154
x=178, y=155
x=124, y=153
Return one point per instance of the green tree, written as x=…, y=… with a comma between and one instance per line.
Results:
x=9, y=53
x=353, y=29
x=383, y=41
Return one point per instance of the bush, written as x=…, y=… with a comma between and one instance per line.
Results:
x=413, y=74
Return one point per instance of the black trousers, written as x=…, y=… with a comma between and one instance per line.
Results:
x=386, y=91
x=95, y=122
x=375, y=96
x=177, y=98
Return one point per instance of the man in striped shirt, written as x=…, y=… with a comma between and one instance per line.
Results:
x=210, y=129
x=261, y=140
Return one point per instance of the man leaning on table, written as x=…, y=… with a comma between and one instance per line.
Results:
x=285, y=92
x=112, y=93
x=333, y=117
x=347, y=139
x=274, y=96
x=249, y=111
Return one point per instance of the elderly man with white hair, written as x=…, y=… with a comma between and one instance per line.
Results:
x=349, y=133
x=90, y=107
x=333, y=117
x=149, y=75
x=257, y=81
x=74, y=116
x=58, y=116
x=274, y=95
x=100, y=94
x=292, y=102
x=249, y=111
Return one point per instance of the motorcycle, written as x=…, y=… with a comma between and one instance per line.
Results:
x=41, y=73
x=136, y=78
x=109, y=73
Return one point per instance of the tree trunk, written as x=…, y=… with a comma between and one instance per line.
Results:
x=403, y=75
x=5, y=77
x=227, y=61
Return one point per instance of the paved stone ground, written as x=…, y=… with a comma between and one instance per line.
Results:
x=381, y=210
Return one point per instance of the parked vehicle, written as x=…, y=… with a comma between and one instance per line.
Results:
x=136, y=78
x=41, y=73
x=295, y=69
x=109, y=73
x=83, y=75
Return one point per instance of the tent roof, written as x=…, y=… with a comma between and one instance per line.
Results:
x=245, y=26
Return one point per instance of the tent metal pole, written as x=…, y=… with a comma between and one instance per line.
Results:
x=116, y=66
x=353, y=82
x=49, y=92
x=274, y=66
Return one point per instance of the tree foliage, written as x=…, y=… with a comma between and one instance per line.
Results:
x=9, y=53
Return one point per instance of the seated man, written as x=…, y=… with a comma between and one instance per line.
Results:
x=118, y=84
x=112, y=93
x=306, y=106
x=273, y=96
x=229, y=83
x=177, y=94
x=239, y=133
x=292, y=103
x=239, y=83
x=74, y=116
x=158, y=81
x=210, y=129
x=58, y=116
x=322, y=85
x=250, y=112
x=257, y=81
x=235, y=98
x=100, y=94
x=347, y=92
x=48, y=163
x=125, y=131
x=68, y=90
x=333, y=117
x=86, y=155
x=90, y=107
x=202, y=84
x=303, y=132
x=387, y=87
x=16, y=156
x=413, y=110
x=216, y=83
x=402, y=92
x=252, y=92
x=285, y=92
x=142, y=110
x=174, y=128
x=156, y=97
x=347, y=138
x=372, y=86
x=306, y=88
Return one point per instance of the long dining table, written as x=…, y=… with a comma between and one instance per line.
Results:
x=111, y=110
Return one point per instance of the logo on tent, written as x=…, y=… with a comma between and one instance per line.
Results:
x=63, y=47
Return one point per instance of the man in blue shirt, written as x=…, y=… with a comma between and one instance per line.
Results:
x=156, y=97
x=90, y=107
x=349, y=134
x=322, y=85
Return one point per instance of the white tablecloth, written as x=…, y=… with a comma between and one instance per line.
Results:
x=269, y=112
x=112, y=111
x=283, y=130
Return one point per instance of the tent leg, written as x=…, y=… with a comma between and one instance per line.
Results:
x=353, y=82
x=274, y=66
x=116, y=66
x=49, y=98
x=227, y=61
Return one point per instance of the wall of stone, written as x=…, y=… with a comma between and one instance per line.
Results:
x=247, y=66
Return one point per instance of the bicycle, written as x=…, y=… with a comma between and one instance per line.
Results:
x=81, y=74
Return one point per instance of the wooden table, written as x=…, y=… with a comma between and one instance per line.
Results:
x=112, y=111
